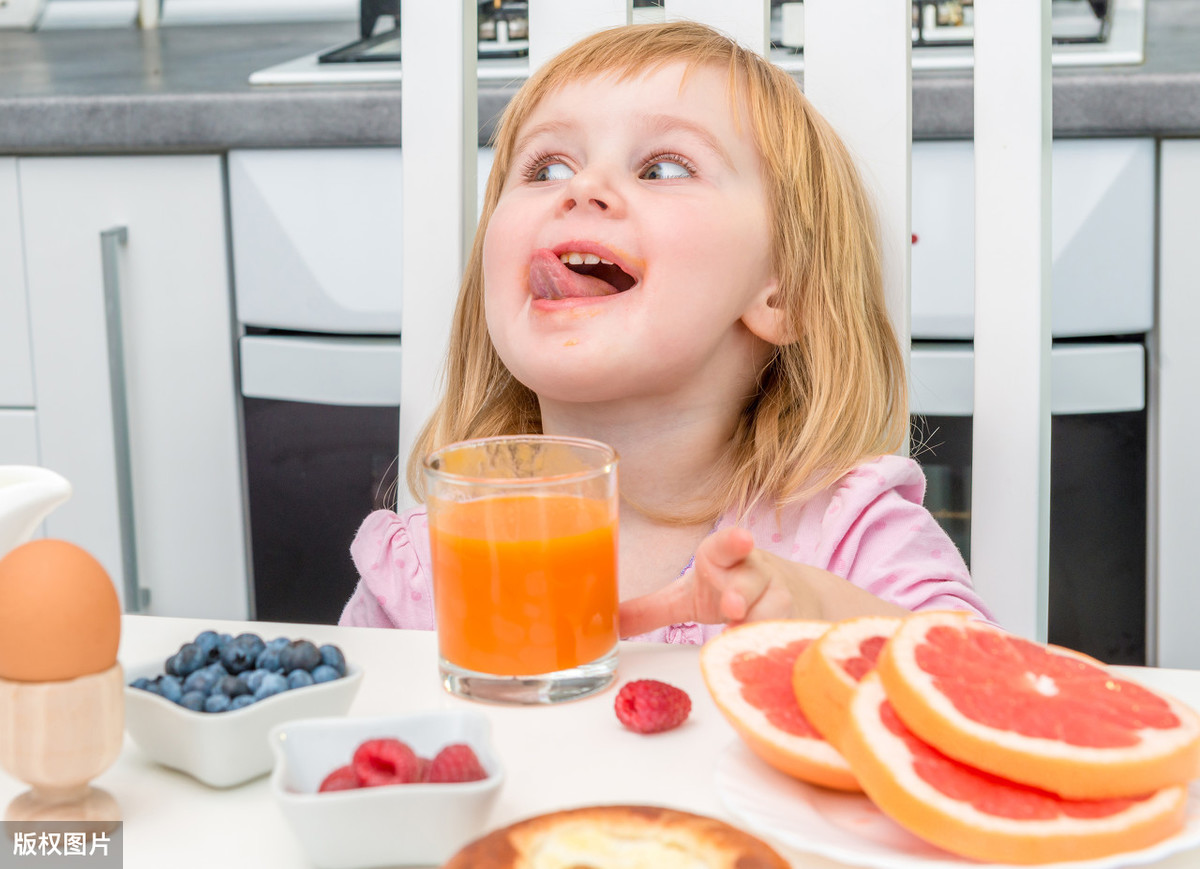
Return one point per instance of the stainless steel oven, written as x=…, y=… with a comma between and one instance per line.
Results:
x=1103, y=218
x=315, y=239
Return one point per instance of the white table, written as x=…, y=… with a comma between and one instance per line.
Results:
x=568, y=755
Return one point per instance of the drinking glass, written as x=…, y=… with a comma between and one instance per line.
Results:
x=523, y=536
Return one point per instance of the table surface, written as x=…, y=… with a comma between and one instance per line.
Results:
x=555, y=757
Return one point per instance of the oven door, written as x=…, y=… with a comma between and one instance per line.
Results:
x=1098, y=462
x=321, y=416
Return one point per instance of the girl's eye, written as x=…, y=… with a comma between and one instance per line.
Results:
x=666, y=168
x=550, y=170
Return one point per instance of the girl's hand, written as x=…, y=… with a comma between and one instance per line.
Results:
x=733, y=582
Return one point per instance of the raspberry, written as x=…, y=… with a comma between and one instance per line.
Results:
x=455, y=763
x=385, y=762
x=341, y=779
x=650, y=706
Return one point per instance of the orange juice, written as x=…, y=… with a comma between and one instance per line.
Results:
x=524, y=584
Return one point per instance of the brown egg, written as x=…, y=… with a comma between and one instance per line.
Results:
x=60, y=617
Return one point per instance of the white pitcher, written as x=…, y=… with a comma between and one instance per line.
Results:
x=27, y=495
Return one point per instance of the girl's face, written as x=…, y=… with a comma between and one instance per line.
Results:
x=630, y=251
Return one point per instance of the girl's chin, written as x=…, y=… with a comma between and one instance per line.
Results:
x=570, y=388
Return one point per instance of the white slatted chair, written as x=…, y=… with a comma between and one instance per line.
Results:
x=858, y=73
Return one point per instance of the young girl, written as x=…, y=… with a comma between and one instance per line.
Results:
x=675, y=256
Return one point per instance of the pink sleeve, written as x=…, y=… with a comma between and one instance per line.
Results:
x=395, y=589
x=876, y=534
x=681, y=634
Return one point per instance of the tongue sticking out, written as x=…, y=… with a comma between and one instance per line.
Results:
x=550, y=278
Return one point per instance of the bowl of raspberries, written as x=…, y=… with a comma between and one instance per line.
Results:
x=206, y=709
x=398, y=790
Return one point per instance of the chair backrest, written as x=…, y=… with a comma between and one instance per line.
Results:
x=858, y=73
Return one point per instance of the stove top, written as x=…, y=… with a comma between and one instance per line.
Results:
x=1084, y=33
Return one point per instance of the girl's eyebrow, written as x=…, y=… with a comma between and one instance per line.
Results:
x=545, y=128
x=675, y=124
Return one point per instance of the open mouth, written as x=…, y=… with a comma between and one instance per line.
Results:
x=593, y=266
x=576, y=274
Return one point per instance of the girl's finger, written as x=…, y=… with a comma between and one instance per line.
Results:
x=741, y=587
x=667, y=606
x=726, y=548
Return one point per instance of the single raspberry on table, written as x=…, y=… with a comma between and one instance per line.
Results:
x=344, y=778
x=385, y=762
x=650, y=706
x=455, y=763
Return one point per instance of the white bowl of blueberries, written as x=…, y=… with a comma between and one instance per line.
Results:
x=207, y=709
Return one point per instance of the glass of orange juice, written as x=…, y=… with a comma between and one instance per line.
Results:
x=523, y=537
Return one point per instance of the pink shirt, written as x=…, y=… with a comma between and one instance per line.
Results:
x=869, y=527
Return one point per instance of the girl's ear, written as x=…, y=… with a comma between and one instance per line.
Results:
x=767, y=317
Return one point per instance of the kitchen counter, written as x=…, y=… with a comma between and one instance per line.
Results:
x=186, y=89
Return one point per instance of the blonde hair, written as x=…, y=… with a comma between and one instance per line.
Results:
x=831, y=398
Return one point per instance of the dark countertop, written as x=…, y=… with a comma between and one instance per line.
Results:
x=186, y=89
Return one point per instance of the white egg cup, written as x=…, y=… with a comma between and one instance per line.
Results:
x=58, y=736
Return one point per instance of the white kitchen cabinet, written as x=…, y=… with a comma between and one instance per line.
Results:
x=18, y=438
x=16, y=373
x=316, y=237
x=1102, y=238
x=158, y=224
x=1178, y=415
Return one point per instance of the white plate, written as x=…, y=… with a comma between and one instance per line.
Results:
x=849, y=828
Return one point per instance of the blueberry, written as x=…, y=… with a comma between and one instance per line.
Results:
x=207, y=642
x=253, y=679
x=154, y=686
x=216, y=703
x=324, y=673
x=299, y=655
x=272, y=684
x=333, y=657
x=169, y=666
x=299, y=679
x=140, y=682
x=241, y=652
x=268, y=660
x=170, y=687
x=232, y=686
x=253, y=640
x=218, y=670
x=202, y=681
x=278, y=643
x=193, y=700
x=189, y=659
x=240, y=701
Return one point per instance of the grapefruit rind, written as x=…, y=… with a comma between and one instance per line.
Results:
x=823, y=688
x=1160, y=759
x=806, y=758
x=882, y=762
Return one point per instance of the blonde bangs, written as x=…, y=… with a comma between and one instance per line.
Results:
x=829, y=400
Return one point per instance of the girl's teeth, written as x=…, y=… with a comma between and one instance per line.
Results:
x=579, y=259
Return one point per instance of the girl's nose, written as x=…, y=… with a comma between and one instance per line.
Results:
x=591, y=189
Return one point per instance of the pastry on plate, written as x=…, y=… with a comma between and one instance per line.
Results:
x=618, y=837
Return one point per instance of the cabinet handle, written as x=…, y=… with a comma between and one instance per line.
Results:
x=111, y=242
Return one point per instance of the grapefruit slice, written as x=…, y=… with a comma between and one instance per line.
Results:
x=1038, y=714
x=827, y=672
x=975, y=814
x=748, y=671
